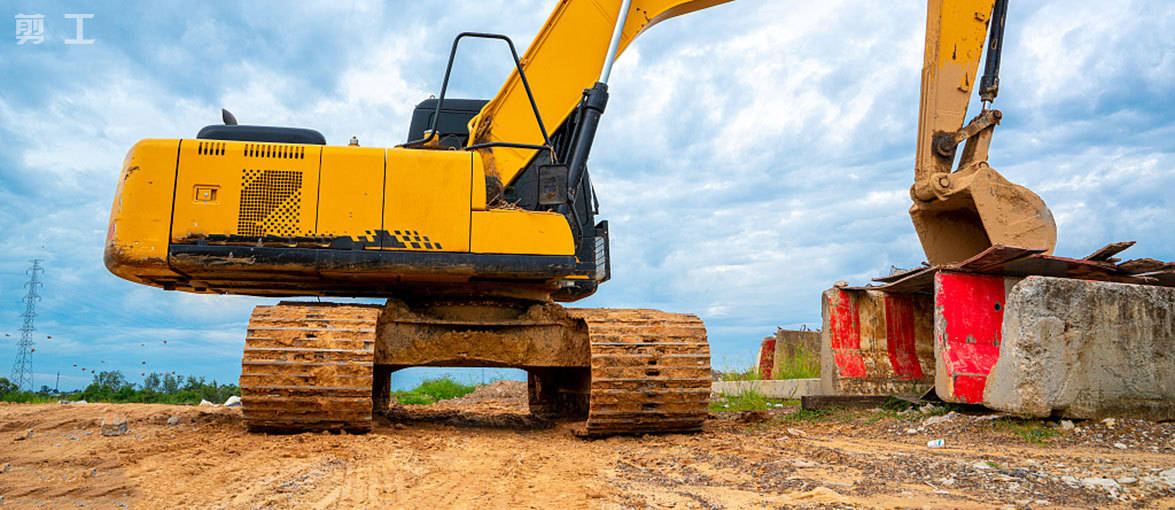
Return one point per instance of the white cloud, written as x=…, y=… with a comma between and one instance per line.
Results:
x=751, y=155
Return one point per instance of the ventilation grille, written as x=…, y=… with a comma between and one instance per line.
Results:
x=269, y=150
x=271, y=202
x=210, y=148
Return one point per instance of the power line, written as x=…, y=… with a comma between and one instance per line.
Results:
x=22, y=368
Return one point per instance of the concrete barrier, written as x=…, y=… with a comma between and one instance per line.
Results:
x=777, y=388
x=1086, y=349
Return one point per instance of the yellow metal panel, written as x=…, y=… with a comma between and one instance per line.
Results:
x=136, y=241
x=477, y=199
x=350, y=196
x=261, y=189
x=565, y=57
x=521, y=232
x=427, y=199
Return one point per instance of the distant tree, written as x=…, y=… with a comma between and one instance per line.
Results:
x=171, y=384
x=153, y=382
x=6, y=386
x=45, y=389
x=111, y=381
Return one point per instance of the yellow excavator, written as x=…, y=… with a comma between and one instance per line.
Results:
x=476, y=226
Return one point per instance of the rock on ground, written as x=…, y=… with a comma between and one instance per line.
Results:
x=1086, y=349
x=113, y=425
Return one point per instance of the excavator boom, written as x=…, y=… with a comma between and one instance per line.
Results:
x=565, y=58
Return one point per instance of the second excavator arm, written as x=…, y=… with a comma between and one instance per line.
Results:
x=962, y=210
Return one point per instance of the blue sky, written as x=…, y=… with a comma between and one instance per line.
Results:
x=752, y=154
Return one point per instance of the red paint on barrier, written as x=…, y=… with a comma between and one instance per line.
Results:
x=899, y=334
x=971, y=308
x=970, y=387
x=767, y=358
x=845, y=336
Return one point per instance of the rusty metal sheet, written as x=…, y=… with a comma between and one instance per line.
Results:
x=917, y=281
x=1107, y=252
x=995, y=257
x=1138, y=266
x=899, y=274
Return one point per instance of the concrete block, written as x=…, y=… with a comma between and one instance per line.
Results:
x=787, y=344
x=777, y=388
x=876, y=343
x=1086, y=349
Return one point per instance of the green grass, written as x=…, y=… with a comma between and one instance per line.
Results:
x=807, y=416
x=432, y=390
x=1031, y=431
x=750, y=374
x=28, y=397
x=802, y=364
x=993, y=464
x=746, y=400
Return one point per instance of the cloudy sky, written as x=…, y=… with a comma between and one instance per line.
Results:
x=752, y=154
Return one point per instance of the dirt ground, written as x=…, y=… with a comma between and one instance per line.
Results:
x=488, y=453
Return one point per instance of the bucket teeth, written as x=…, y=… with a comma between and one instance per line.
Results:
x=308, y=367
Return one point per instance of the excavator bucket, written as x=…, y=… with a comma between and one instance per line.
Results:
x=983, y=209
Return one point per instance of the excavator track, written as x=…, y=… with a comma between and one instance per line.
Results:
x=650, y=371
x=308, y=367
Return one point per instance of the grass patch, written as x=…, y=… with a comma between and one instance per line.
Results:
x=993, y=464
x=801, y=364
x=750, y=374
x=1031, y=431
x=432, y=390
x=746, y=400
x=807, y=416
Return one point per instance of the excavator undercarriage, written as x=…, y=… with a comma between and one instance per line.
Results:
x=325, y=366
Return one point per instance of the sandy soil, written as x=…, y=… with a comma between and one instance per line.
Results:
x=490, y=454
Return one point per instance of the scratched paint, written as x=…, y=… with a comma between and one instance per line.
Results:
x=845, y=335
x=899, y=333
x=767, y=358
x=969, y=312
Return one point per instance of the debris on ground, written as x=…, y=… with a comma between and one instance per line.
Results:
x=492, y=454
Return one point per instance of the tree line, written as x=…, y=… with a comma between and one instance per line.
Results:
x=113, y=386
